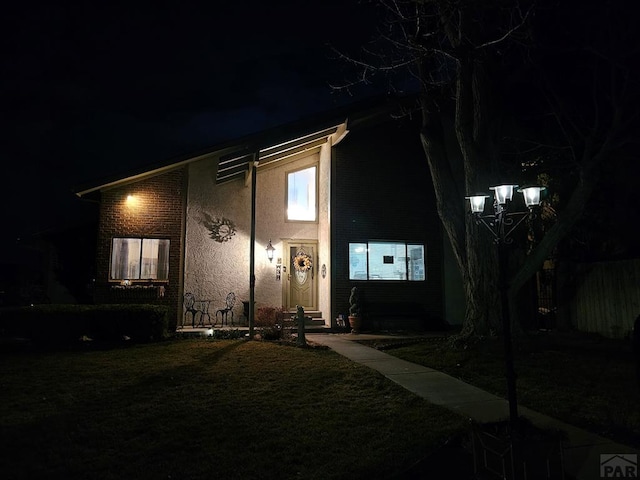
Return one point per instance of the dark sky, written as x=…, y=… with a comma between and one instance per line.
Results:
x=93, y=89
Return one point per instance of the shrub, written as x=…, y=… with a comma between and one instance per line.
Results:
x=269, y=322
x=232, y=334
x=57, y=325
x=269, y=316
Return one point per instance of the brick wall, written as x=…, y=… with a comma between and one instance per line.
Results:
x=155, y=210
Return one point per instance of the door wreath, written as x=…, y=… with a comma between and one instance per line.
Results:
x=302, y=262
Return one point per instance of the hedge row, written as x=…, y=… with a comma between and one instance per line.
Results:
x=67, y=324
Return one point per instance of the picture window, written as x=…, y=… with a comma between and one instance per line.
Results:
x=139, y=259
x=395, y=261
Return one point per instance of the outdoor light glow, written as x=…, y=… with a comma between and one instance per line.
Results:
x=501, y=224
x=503, y=193
x=532, y=195
x=270, y=249
x=132, y=201
x=477, y=203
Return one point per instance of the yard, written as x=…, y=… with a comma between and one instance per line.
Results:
x=583, y=379
x=204, y=408
x=220, y=408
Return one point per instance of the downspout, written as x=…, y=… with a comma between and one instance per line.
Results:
x=252, y=245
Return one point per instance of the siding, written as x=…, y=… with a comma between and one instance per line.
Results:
x=382, y=190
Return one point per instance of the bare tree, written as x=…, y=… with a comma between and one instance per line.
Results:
x=498, y=94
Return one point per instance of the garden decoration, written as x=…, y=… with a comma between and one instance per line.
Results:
x=302, y=341
x=355, y=319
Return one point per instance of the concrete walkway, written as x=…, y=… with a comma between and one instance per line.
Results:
x=582, y=449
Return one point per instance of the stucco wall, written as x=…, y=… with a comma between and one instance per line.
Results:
x=214, y=268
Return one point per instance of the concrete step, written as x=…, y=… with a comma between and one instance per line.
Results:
x=307, y=313
x=309, y=321
x=312, y=318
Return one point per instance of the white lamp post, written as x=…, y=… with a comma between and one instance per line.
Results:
x=501, y=223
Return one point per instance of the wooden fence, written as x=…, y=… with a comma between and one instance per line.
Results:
x=607, y=298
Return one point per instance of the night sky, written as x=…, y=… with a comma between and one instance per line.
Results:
x=90, y=90
x=96, y=89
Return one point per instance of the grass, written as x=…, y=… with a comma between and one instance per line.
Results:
x=205, y=408
x=585, y=380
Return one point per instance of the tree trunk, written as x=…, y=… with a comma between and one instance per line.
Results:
x=482, y=287
x=460, y=160
x=473, y=248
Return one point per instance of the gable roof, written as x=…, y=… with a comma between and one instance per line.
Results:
x=282, y=142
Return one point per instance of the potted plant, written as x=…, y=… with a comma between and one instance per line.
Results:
x=355, y=318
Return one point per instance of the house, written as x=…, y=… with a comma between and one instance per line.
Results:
x=343, y=199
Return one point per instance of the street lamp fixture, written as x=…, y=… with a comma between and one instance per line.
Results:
x=501, y=223
x=503, y=193
x=532, y=195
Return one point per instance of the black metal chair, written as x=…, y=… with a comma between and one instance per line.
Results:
x=204, y=312
x=224, y=312
x=190, y=308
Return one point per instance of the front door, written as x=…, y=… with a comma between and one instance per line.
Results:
x=301, y=278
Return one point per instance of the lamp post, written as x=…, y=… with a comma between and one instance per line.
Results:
x=501, y=223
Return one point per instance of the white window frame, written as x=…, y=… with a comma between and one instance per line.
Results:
x=147, y=260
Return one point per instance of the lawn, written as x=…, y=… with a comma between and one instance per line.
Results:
x=209, y=408
x=582, y=379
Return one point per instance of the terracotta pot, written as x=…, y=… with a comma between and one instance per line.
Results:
x=355, y=322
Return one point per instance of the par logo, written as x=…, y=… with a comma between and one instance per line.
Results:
x=619, y=465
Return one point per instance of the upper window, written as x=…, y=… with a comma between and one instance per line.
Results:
x=386, y=261
x=139, y=259
x=302, y=198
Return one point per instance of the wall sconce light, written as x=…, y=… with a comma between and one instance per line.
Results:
x=270, y=250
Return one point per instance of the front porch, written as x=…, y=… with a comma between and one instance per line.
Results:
x=208, y=331
x=314, y=323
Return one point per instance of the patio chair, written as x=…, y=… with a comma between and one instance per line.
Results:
x=190, y=307
x=224, y=312
x=203, y=308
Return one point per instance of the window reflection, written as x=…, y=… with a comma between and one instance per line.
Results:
x=399, y=261
x=301, y=195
